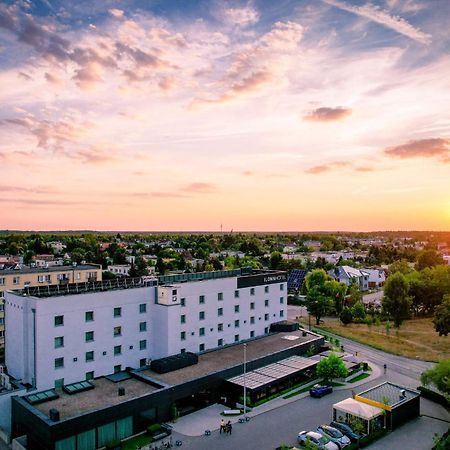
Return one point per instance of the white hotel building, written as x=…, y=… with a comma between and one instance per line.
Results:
x=61, y=336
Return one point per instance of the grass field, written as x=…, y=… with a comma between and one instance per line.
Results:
x=415, y=339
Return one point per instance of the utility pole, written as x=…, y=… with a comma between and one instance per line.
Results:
x=245, y=382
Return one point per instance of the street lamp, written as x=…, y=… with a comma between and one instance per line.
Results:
x=245, y=382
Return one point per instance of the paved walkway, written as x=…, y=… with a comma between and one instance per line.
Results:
x=195, y=424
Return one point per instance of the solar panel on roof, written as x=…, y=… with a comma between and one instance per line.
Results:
x=296, y=278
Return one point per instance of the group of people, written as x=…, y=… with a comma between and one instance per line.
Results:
x=227, y=428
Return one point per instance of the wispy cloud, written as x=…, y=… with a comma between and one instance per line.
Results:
x=425, y=148
x=200, y=188
x=326, y=114
x=375, y=14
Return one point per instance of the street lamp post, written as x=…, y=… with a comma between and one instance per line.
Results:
x=245, y=382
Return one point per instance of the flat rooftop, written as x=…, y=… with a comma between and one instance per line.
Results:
x=104, y=394
x=128, y=282
x=218, y=360
x=389, y=394
x=26, y=269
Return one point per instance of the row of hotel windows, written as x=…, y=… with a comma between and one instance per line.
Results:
x=89, y=315
x=201, y=331
x=202, y=314
x=220, y=342
x=201, y=298
x=236, y=307
x=89, y=335
x=89, y=356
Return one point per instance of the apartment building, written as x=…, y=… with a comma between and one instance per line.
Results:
x=62, y=336
x=16, y=276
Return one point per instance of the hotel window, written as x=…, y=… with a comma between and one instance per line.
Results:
x=88, y=336
x=142, y=362
x=89, y=316
x=201, y=315
x=220, y=296
x=281, y=300
x=117, y=331
x=59, y=383
x=266, y=330
x=183, y=318
x=252, y=334
x=252, y=319
x=266, y=303
x=281, y=287
x=236, y=324
x=281, y=313
x=117, y=368
x=252, y=305
x=236, y=294
x=142, y=308
x=143, y=344
x=201, y=299
x=59, y=321
x=252, y=291
x=117, y=350
x=89, y=356
x=236, y=308
x=183, y=335
x=201, y=331
x=266, y=316
x=236, y=338
x=118, y=312
x=266, y=289
x=143, y=326
x=59, y=341
x=201, y=348
x=219, y=342
x=220, y=311
x=16, y=280
x=220, y=327
x=2, y=281
x=89, y=375
x=183, y=302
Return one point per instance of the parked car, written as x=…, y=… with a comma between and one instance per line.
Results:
x=347, y=430
x=319, y=391
x=334, y=435
x=321, y=442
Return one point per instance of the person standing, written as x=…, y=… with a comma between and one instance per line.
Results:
x=222, y=426
x=229, y=427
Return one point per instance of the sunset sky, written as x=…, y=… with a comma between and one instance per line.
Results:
x=260, y=115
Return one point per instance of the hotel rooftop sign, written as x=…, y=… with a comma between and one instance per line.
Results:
x=261, y=279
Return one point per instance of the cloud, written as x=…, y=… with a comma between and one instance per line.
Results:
x=240, y=16
x=52, y=79
x=426, y=148
x=375, y=14
x=326, y=114
x=116, y=12
x=200, y=188
x=28, y=190
x=322, y=168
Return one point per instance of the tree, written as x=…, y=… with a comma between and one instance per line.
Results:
x=355, y=295
x=396, y=301
x=275, y=260
x=439, y=376
x=331, y=367
x=441, y=318
x=401, y=266
x=428, y=258
x=358, y=312
x=346, y=316
x=318, y=300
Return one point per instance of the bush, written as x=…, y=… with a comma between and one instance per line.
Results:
x=154, y=429
x=113, y=444
x=346, y=316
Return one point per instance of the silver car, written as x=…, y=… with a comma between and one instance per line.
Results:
x=334, y=435
x=321, y=442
